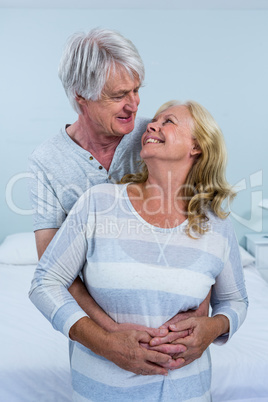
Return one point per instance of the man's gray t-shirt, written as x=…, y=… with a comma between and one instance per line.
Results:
x=61, y=171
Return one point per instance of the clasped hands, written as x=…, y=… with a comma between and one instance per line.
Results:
x=178, y=342
x=175, y=344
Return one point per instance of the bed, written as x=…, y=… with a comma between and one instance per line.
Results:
x=34, y=364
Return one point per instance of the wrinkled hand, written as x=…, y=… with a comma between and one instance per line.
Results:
x=175, y=338
x=156, y=333
x=201, y=332
x=126, y=351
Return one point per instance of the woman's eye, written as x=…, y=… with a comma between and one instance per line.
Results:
x=169, y=121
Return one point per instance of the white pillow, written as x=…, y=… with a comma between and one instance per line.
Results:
x=246, y=257
x=19, y=249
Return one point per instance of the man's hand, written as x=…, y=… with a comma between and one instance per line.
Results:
x=125, y=351
x=122, y=348
x=157, y=333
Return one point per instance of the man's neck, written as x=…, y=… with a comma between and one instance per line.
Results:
x=102, y=147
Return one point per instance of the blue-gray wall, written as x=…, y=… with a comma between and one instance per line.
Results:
x=218, y=58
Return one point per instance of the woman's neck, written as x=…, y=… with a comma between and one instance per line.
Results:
x=158, y=200
x=166, y=178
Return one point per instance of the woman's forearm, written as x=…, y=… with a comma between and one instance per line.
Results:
x=221, y=325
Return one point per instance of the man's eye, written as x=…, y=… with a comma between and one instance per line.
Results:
x=118, y=98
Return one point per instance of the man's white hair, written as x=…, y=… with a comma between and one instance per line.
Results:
x=88, y=59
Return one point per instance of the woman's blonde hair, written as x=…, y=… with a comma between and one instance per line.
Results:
x=206, y=186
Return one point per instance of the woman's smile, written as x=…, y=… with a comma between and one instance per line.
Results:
x=152, y=140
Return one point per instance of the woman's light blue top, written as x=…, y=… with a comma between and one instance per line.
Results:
x=142, y=274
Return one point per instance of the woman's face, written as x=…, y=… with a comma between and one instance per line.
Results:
x=169, y=136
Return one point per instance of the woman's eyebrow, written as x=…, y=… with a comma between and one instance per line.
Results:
x=172, y=115
x=163, y=116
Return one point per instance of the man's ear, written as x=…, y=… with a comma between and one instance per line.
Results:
x=196, y=150
x=80, y=99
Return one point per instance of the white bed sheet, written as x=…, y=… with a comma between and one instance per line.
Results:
x=34, y=359
x=240, y=367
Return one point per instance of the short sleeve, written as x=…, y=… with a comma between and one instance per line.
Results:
x=48, y=211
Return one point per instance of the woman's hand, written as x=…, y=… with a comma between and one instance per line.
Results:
x=200, y=333
x=171, y=342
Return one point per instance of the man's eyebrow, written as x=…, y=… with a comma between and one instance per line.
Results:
x=125, y=91
x=120, y=92
x=137, y=87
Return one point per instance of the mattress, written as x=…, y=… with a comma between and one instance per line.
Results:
x=34, y=360
x=240, y=367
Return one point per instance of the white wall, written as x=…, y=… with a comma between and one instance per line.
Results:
x=218, y=58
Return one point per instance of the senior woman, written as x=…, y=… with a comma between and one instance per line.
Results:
x=153, y=245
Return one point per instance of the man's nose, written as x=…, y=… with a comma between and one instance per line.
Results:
x=133, y=102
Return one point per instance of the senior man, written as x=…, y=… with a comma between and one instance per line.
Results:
x=101, y=73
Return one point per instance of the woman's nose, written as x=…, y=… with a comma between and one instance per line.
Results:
x=152, y=127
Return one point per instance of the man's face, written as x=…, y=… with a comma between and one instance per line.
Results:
x=114, y=113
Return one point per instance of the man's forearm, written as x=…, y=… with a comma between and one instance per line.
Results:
x=78, y=290
x=122, y=348
x=88, y=304
x=100, y=317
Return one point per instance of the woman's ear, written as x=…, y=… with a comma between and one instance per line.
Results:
x=196, y=150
